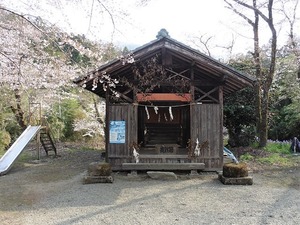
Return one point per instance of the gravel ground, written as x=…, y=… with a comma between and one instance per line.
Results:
x=50, y=191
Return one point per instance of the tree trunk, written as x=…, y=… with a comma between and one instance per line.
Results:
x=263, y=132
x=269, y=77
x=18, y=111
x=264, y=80
x=98, y=116
x=259, y=76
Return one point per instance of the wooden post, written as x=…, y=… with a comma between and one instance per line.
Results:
x=192, y=85
x=38, y=140
x=106, y=124
x=221, y=101
x=193, y=133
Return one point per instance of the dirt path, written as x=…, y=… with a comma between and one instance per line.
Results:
x=51, y=192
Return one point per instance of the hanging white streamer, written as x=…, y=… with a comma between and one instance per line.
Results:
x=156, y=110
x=147, y=112
x=166, y=119
x=171, y=115
x=197, y=148
x=136, y=155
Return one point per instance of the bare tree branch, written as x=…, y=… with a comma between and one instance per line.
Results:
x=110, y=15
x=291, y=19
x=204, y=42
x=23, y=17
x=90, y=21
x=231, y=7
x=293, y=42
x=255, y=8
x=230, y=46
x=6, y=56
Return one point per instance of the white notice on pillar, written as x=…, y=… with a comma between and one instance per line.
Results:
x=117, y=132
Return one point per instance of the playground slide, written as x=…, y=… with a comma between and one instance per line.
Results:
x=15, y=150
x=229, y=154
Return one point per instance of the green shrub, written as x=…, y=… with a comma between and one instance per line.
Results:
x=254, y=144
x=62, y=117
x=246, y=157
x=4, y=140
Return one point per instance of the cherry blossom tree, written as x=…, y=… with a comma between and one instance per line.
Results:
x=39, y=63
x=26, y=65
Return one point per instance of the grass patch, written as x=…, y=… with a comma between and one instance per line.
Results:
x=254, y=144
x=25, y=157
x=274, y=154
x=86, y=148
x=246, y=157
x=278, y=147
x=275, y=159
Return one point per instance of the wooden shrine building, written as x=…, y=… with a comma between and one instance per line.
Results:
x=165, y=102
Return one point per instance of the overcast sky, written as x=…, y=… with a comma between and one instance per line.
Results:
x=182, y=19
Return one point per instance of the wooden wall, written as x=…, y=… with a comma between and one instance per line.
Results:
x=207, y=126
x=119, y=153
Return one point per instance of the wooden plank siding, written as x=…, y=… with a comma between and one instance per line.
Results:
x=120, y=153
x=206, y=126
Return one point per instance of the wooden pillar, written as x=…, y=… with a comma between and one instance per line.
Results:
x=193, y=128
x=106, y=124
x=38, y=143
x=134, y=123
x=135, y=114
x=192, y=84
x=221, y=123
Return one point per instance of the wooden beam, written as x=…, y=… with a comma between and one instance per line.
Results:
x=206, y=83
x=178, y=74
x=145, y=97
x=127, y=91
x=207, y=94
x=125, y=97
x=224, y=78
x=163, y=166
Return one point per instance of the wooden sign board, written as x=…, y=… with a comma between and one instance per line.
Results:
x=166, y=149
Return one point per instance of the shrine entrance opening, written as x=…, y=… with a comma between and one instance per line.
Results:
x=164, y=127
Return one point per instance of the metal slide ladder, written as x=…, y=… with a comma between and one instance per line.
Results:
x=44, y=136
x=47, y=141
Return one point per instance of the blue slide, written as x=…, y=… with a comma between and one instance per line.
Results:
x=15, y=150
x=230, y=155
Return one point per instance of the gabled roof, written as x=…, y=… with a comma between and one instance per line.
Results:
x=183, y=56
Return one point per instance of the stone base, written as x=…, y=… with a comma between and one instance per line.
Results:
x=236, y=180
x=133, y=173
x=101, y=169
x=194, y=174
x=160, y=175
x=97, y=179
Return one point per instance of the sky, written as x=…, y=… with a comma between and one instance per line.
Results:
x=184, y=20
x=135, y=24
